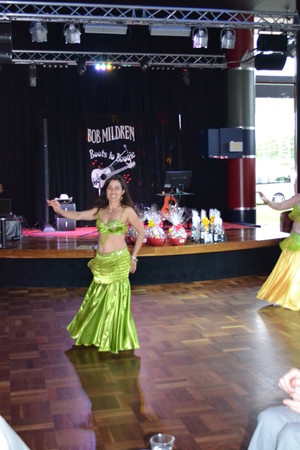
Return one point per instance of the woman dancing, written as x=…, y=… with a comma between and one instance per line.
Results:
x=282, y=287
x=104, y=318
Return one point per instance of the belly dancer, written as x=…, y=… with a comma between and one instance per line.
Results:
x=104, y=318
x=282, y=287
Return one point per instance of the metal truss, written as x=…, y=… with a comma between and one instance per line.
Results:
x=150, y=60
x=147, y=15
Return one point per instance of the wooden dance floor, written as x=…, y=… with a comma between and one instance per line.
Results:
x=209, y=360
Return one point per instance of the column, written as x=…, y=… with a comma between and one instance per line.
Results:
x=241, y=114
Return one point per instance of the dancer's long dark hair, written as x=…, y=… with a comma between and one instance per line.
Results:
x=102, y=201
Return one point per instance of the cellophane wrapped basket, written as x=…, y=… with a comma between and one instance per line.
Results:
x=177, y=234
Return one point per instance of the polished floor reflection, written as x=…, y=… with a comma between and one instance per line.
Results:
x=210, y=357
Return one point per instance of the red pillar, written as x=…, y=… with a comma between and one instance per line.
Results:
x=241, y=114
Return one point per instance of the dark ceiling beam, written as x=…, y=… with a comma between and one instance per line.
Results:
x=58, y=58
x=147, y=15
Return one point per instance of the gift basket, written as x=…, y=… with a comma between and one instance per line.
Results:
x=131, y=233
x=195, y=230
x=205, y=228
x=177, y=234
x=217, y=226
x=154, y=231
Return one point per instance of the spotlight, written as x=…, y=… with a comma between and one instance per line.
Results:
x=81, y=63
x=38, y=31
x=32, y=75
x=200, y=38
x=72, y=33
x=144, y=64
x=102, y=66
x=228, y=38
x=186, y=76
x=144, y=67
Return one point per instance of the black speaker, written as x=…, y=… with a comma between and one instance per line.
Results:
x=63, y=224
x=13, y=229
x=272, y=43
x=272, y=61
x=5, y=43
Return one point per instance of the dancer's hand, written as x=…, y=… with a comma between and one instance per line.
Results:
x=54, y=204
x=133, y=266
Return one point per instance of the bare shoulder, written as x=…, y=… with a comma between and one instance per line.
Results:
x=94, y=211
x=290, y=203
x=295, y=199
x=129, y=212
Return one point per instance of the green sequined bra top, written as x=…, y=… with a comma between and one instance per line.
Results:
x=115, y=226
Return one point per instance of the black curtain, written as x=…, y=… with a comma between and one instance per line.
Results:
x=170, y=116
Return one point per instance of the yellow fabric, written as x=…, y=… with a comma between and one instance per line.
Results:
x=104, y=319
x=291, y=243
x=282, y=287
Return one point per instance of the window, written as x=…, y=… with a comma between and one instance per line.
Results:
x=275, y=138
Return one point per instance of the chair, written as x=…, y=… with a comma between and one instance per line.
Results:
x=285, y=222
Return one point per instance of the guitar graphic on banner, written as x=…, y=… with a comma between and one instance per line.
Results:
x=99, y=176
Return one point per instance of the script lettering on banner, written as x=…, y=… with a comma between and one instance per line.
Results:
x=111, y=150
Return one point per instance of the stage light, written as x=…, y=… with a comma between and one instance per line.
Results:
x=144, y=64
x=103, y=67
x=32, y=75
x=144, y=67
x=200, y=38
x=72, y=33
x=38, y=31
x=105, y=28
x=167, y=30
x=5, y=43
x=228, y=38
x=81, y=63
x=186, y=76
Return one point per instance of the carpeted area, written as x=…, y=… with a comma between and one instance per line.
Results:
x=90, y=231
x=78, y=232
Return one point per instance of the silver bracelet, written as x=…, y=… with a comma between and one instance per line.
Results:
x=134, y=258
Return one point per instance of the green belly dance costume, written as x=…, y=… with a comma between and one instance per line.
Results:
x=282, y=287
x=104, y=318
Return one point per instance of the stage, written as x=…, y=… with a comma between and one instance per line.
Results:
x=60, y=259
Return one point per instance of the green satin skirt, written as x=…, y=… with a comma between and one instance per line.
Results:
x=104, y=318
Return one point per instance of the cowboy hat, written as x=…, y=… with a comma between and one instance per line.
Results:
x=64, y=198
